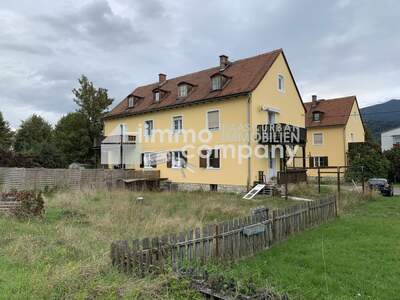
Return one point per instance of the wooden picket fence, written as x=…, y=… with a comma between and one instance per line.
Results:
x=226, y=241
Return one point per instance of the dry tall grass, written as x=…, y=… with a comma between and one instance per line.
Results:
x=66, y=253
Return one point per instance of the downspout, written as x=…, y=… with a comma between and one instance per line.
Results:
x=249, y=123
x=344, y=145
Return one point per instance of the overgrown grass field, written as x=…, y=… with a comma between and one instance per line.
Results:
x=65, y=254
x=356, y=256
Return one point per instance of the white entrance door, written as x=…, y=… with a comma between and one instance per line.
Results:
x=273, y=162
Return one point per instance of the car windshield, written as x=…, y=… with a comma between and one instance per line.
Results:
x=377, y=181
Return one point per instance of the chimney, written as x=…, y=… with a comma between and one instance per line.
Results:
x=161, y=78
x=223, y=61
x=314, y=101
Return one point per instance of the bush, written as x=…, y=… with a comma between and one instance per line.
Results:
x=31, y=202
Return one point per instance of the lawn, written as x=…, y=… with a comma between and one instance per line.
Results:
x=65, y=254
x=356, y=256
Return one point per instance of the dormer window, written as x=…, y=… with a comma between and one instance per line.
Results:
x=157, y=96
x=182, y=90
x=131, y=101
x=316, y=116
x=216, y=82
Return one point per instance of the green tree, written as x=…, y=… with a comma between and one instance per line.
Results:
x=366, y=158
x=72, y=138
x=6, y=134
x=93, y=103
x=393, y=157
x=35, y=139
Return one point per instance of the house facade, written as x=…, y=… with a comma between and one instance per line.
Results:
x=206, y=122
x=390, y=139
x=332, y=124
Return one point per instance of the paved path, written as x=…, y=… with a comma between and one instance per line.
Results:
x=396, y=191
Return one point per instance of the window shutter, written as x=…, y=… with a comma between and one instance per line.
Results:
x=311, y=162
x=203, y=159
x=325, y=161
x=213, y=120
x=184, y=157
x=169, y=160
x=142, y=160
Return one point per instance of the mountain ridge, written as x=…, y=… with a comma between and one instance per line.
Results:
x=381, y=117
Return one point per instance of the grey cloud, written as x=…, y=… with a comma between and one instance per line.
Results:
x=334, y=47
x=95, y=23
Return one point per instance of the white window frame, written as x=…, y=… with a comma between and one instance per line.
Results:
x=157, y=96
x=219, y=119
x=208, y=159
x=181, y=88
x=146, y=133
x=147, y=161
x=174, y=130
x=219, y=78
x=176, y=162
x=319, y=116
x=131, y=101
x=322, y=135
x=281, y=87
x=317, y=161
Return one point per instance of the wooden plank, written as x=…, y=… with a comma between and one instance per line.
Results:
x=190, y=245
x=173, y=251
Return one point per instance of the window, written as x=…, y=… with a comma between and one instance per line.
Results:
x=131, y=101
x=182, y=90
x=396, y=139
x=148, y=160
x=318, y=161
x=177, y=124
x=281, y=83
x=271, y=117
x=157, y=96
x=213, y=187
x=216, y=83
x=318, y=139
x=210, y=159
x=178, y=159
x=132, y=139
x=317, y=116
x=213, y=120
x=148, y=127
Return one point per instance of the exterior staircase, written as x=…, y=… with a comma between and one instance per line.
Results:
x=271, y=189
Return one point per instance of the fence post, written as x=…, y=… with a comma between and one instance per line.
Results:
x=216, y=241
x=319, y=180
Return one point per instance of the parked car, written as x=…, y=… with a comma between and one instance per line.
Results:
x=381, y=185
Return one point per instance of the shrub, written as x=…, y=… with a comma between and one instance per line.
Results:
x=31, y=202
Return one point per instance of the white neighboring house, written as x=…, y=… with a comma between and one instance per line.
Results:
x=390, y=139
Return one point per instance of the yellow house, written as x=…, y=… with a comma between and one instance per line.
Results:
x=205, y=123
x=331, y=125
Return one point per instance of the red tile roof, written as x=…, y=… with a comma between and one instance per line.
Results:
x=335, y=111
x=244, y=74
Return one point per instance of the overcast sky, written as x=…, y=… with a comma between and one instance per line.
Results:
x=334, y=48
